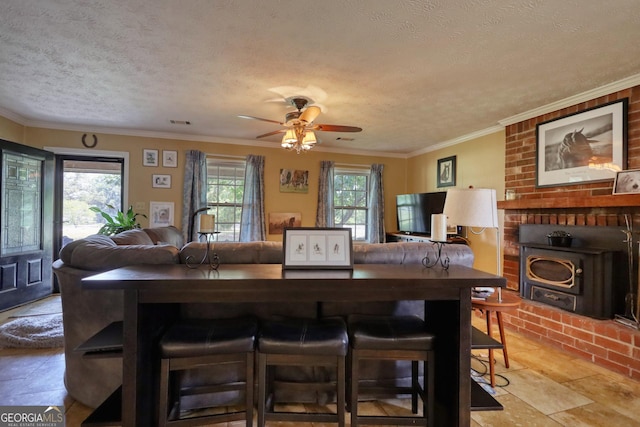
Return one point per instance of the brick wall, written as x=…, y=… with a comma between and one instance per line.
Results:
x=603, y=342
x=606, y=343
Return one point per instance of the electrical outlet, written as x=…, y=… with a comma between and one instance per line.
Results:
x=140, y=206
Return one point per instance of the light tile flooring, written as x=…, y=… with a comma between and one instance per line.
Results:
x=543, y=387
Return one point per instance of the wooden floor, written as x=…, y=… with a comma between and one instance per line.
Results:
x=543, y=387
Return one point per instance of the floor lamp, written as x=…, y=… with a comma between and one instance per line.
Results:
x=475, y=207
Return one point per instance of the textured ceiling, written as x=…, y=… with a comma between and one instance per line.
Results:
x=412, y=74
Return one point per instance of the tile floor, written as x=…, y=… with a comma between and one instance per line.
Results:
x=543, y=387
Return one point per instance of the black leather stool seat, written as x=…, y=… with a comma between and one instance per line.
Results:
x=389, y=333
x=392, y=338
x=302, y=342
x=196, y=337
x=304, y=336
x=191, y=344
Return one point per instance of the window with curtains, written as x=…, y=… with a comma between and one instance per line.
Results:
x=225, y=185
x=350, y=201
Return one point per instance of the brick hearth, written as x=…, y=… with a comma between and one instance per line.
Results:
x=604, y=342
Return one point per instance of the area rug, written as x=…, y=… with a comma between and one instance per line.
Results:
x=44, y=331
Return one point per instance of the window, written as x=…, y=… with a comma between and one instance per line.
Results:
x=350, y=201
x=225, y=185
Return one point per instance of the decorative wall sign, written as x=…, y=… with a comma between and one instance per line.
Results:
x=317, y=248
x=583, y=147
x=447, y=172
x=294, y=181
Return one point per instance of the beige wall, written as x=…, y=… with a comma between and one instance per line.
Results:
x=479, y=163
x=142, y=192
x=11, y=131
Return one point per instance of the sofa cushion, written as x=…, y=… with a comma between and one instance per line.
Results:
x=132, y=237
x=100, y=253
x=169, y=235
x=67, y=250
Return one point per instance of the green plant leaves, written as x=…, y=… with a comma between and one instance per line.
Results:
x=118, y=223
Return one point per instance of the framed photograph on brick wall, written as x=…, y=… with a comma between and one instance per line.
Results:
x=587, y=146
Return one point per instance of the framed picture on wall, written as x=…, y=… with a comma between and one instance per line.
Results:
x=161, y=181
x=583, y=147
x=149, y=157
x=294, y=181
x=446, y=172
x=278, y=221
x=161, y=214
x=169, y=159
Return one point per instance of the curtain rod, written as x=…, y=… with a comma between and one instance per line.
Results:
x=352, y=165
x=227, y=156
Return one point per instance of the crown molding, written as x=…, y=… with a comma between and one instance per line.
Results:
x=573, y=100
x=458, y=140
x=199, y=138
x=8, y=114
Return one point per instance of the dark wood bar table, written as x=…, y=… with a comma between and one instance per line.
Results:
x=152, y=294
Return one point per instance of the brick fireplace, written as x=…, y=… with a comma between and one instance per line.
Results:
x=604, y=342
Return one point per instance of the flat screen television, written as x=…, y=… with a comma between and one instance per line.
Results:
x=415, y=210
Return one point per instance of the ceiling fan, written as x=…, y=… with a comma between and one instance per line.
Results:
x=299, y=125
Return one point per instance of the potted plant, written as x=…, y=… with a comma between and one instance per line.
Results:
x=559, y=238
x=118, y=223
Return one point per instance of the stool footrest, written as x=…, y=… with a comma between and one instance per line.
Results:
x=403, y=421
x=205, y=389
x=302, y=417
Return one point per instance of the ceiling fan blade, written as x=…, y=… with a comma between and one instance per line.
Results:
x=310, y=114
x=336, y=128
x=258, y=118
x=275, y=132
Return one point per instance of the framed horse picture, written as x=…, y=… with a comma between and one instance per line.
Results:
x=583, y=147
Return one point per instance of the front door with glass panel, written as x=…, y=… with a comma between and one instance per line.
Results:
x=26, y=219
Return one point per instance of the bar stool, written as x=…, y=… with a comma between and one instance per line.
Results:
x=301, y=342
x=193, y=343
x=392, y=338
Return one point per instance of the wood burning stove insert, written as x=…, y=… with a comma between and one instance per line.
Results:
x=587, y=278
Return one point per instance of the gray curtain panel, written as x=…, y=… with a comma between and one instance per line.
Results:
x=195, y=190
x=375, y=221
x=324, y=214
x=252, y=227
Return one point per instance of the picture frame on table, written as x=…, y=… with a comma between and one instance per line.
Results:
x=169, y=158
x=446, y=174
x=317, y=248
x=627, y=182
x=587, y=146
x=161, y=181
x=161, y=214
x=149, y=157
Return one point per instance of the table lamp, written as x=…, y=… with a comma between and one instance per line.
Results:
x=475, y=207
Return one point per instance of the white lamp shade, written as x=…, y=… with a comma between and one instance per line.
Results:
x=472, y=207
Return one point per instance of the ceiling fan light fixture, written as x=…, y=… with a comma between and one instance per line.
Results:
x=309, y=139
x=289, y=137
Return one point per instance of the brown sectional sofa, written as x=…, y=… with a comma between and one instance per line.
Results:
x=91, y=380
